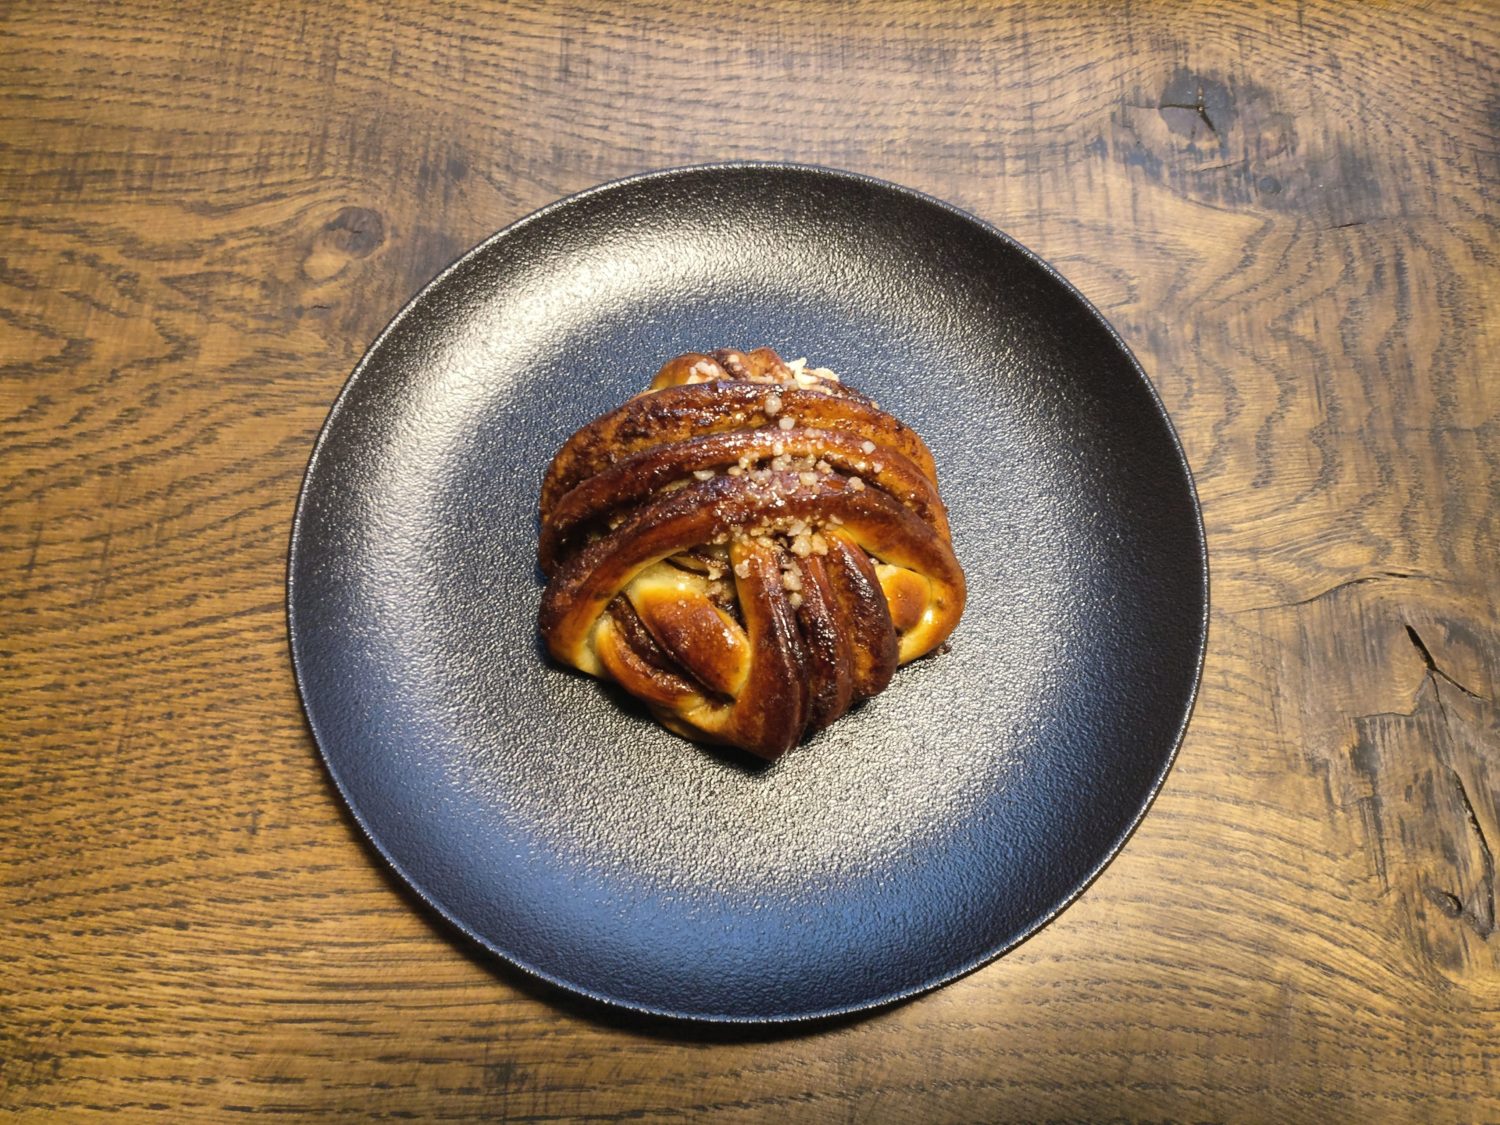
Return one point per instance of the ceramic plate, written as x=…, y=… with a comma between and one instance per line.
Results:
x=920, y=836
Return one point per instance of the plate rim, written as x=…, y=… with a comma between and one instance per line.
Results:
x=891, y=999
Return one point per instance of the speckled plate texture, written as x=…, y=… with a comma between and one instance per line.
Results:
x=920, y=836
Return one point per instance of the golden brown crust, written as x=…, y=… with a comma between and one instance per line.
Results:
x=635, y=477
x=750, y=548
x=679, y=413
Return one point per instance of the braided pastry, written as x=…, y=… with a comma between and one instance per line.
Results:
x=749, y=547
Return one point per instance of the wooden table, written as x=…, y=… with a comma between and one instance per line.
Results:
x=207, y=212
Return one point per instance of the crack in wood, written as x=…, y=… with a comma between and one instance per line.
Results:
x=1477, y=911
x=1383, y=576
x=1198, y=106
x=1446, y=901
x=1435, y=671
x=1484, y=925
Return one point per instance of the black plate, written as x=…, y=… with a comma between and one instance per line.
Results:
x=919, y=836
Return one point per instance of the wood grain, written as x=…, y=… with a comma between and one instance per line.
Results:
x=207, y=211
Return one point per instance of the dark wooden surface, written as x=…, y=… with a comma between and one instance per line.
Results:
x=206, y=213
